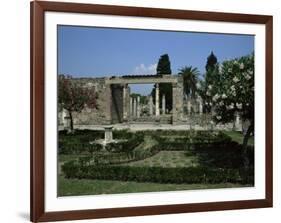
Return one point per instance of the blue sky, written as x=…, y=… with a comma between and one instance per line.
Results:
x=97, y=52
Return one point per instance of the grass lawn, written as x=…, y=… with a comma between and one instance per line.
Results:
x=238, y=137
x=167, y=159
x=69, y=187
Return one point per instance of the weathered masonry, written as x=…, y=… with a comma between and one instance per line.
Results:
x=121, y=107
x=116, y=105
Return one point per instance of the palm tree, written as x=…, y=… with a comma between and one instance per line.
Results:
x=190, y=78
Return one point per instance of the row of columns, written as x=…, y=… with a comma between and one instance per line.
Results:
x=131, y=106
x=135, y=108
x=200, y=104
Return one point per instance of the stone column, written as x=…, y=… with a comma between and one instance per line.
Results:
x=135, y=107
x=125, y=95
x=163, y=104
x=188, y=106
x=175, y=98
x=180, y=96
x=200, y=106
x=131, y=107
x=157, y=112
x=150, y=105
x=108, y=104
x=138, y=107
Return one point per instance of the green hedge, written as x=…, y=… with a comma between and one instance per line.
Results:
x=157, y=174
x=74, y=146
x=108, y=158
x=79, y=141
x=192, y=140
x=126, y=146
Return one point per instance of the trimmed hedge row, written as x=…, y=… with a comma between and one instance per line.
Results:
x=157, y=174
x=78, y=147
x=79, y=141
x=198, y=140
x=127, y=145
x=230, y=155
x=121, y=157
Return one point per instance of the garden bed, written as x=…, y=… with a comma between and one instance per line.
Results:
x=177, y=157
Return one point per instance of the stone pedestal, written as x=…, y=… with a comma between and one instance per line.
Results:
x=108, y=134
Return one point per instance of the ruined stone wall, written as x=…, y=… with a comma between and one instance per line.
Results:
x=89, y=116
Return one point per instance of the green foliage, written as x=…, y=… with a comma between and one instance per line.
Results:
x=74, y=97
x=218, y=158
x=210, y=78
x=79, y=142
x=126, y=146
x=190, y=79
x=233, y=90
x=153, y=174
x=77, y=187
x=164, y=67
x=187, y=139
x=211, y=62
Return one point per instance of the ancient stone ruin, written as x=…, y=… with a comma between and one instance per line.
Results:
x=117, y=106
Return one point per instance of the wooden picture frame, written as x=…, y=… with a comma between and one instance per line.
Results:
x=37, y=199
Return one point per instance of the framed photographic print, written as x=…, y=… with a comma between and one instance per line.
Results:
x=144, y=111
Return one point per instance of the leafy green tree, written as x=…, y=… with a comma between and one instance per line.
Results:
x=73, y=97
x=190, y=79
x=209, y=79
x=211, y=62
x=164, y=67
x=233, y=93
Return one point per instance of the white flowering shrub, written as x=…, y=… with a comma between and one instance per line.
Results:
x=232, y=90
